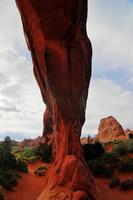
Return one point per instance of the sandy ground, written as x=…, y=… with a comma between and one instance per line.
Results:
x=105, y=193
x=30, y=186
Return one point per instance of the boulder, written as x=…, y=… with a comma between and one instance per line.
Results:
x=110, y=130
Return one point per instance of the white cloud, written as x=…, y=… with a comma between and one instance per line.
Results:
x=105, y=99
x=21, y=106
x=110, y=28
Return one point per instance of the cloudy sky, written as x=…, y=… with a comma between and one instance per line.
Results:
x=110, y=28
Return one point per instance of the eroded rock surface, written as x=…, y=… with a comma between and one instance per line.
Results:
x=55, y=31
x=109, y=130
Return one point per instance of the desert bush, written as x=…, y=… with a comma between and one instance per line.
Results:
x=1, y=196
x=100, y=169
x=123, y=147
x=8, y=179
x=21, y=166
x=126, y=165
x=110, y=157
x=126, y=184
x=43, y=168
x=28, y=154
x=129, y=145
x=7, y=159
x=45, y=152
x=117, y=141
x=93, y=151
x=105, y=165
x=9, y=165
x=114, y=182
x=131, y=136
x=120, y=149
x=41, y=171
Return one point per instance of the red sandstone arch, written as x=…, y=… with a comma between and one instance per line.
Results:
x=55, y=31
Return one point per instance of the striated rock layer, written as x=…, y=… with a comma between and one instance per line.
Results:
x=110, y=130
x=55, y=32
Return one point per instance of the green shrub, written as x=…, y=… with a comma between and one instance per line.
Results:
x=14, y=180
x=110, y=158
x=7, y=159
x=43, y=168
x=41, y=171
x=105, y=165
x=131, y=136
x=100, y=169
x=123, y=147
x=8, y=179
x=126, y=165
x=22, y=166
x=129, y=145
x=45, y=153
x=117, y=141
x=126, y=184
x=93, y=151
x=114, y=182
x=120, y=149
x=1, y=196
x=28, y=154
x=9, y=164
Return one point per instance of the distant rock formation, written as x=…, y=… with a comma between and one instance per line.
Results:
x=55, y=31
x=110, y=130
x=84, y=140
x=87, y=140
x=129, y=133
x=30, y=142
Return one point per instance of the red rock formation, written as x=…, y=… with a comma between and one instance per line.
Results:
x=110, y=130
x=87, y=140
x=129, y=133
x=84, y=140
x=55, y=32
x=30, y=142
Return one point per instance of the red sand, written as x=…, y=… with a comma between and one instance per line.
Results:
x=105, y=193
x=29, y=186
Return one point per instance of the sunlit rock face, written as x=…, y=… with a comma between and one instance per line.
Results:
x=109, y=130
x=55, y=32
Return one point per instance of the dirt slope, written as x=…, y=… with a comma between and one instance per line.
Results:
x=29, y=186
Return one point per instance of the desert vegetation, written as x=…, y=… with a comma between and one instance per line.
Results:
x=1, y=196
x=41, y=171
x=44, y=151
x=31, y=154
x=110, y=164
x=123, y=147
x=105, y=164
x=122, y=185
x=10, y=166
x=93, y=151
x=27, y=154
